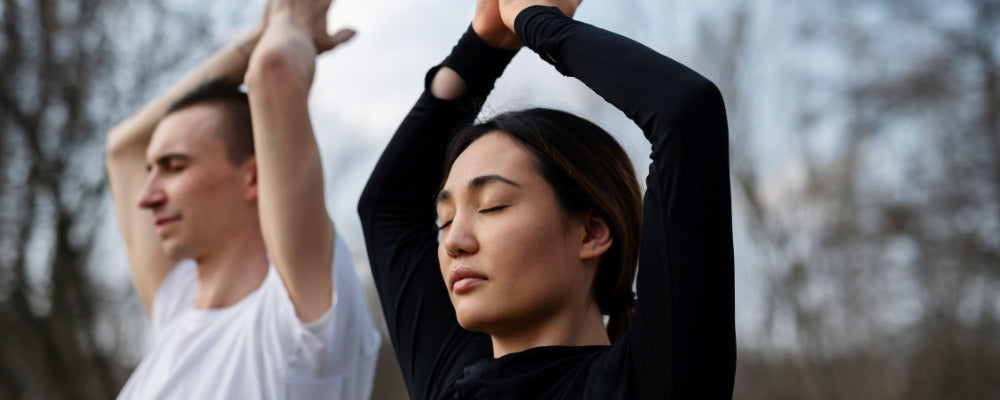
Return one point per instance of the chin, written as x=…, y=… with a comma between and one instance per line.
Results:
x=475, y=325
x=481, y=317
x=176, y=251
x=469, y=316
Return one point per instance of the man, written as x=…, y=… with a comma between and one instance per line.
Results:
x=250, y=292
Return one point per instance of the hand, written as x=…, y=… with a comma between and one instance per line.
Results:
x=294, y=33
x=489, y=27
x=510, y=8
x=310, y=17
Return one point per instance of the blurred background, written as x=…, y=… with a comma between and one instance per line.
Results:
x=865, y=159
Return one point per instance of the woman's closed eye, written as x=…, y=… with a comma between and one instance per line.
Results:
x=443, y=225
x=488, y=210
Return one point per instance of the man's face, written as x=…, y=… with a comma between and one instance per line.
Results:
x=197, y=196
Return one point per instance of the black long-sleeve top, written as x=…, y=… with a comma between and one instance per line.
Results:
x=681, y=342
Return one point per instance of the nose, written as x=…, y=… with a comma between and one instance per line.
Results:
x=460, y=238
x=151, y=196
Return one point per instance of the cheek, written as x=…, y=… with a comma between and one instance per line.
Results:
x=206, y=194
x=222, y=181
x=517, y=240
x=530, y=247
x=442, y=258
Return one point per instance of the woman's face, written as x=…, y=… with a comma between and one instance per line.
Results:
x=510, y=256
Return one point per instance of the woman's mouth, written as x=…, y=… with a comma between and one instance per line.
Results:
x=464, y=279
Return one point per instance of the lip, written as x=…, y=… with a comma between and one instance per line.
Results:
x=464, y=279
x=162, y=223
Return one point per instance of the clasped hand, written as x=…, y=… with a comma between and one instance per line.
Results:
x=494, y=19
x=309, y=16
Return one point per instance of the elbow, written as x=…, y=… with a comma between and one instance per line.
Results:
x=703, y=109
x=111, y=146
x=366, y=205
x=705, y=95
x=691, y=103
x=116, y=146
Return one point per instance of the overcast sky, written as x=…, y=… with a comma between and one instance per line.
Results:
x=363, y=89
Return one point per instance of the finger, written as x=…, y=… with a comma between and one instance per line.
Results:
x=329, y=42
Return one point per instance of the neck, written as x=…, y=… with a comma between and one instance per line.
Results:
x=584, y=328
x=231, y=272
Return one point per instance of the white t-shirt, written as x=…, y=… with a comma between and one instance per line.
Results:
x=258, y=348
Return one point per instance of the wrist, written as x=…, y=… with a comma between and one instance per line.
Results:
x=511, y=8
x=245, y=45
x=284, y=53
x=500, y=38
x=478, y=63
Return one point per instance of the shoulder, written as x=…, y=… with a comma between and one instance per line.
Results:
x=339, y=349
x=347, y=322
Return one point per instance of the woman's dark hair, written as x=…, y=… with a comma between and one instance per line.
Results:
x=588, y=170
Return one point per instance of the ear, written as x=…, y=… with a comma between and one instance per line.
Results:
x=597, y=237
x=249, y=172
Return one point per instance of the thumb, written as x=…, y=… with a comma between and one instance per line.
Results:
x=325, y=43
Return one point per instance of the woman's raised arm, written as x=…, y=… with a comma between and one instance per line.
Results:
x=398, y=217
x=681, y=340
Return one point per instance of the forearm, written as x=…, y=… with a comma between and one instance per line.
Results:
x=125, y=156
x=227, y=64
x=409, y=171
x=397, y=214
x=297, y=230
x=126, y=142
x=684, y=323
x=652, y=89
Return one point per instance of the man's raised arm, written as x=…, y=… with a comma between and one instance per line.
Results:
x=297, y=230
x=126, y=163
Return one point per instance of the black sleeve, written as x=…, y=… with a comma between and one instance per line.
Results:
x=682, y=339
x=398, y=217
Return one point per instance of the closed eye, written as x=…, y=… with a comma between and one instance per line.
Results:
x=173, y=162
x=175, y=167
x=492, y=209
x=445, y=225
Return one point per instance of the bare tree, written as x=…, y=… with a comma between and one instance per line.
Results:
x=879, y=248
x=68, y=70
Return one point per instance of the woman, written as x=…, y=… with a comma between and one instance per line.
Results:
x=539, y=226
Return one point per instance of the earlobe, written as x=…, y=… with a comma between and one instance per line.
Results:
x=597, y=237
x=250, y=178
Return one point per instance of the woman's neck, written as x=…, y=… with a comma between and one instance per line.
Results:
x=584, y=328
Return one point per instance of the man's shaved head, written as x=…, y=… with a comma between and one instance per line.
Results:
x=235, y=110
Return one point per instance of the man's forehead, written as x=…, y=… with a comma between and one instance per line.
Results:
x=190, y=130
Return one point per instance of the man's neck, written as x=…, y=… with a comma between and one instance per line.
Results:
x=231, y=273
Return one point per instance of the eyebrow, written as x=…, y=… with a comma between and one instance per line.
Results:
x=477, y=183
